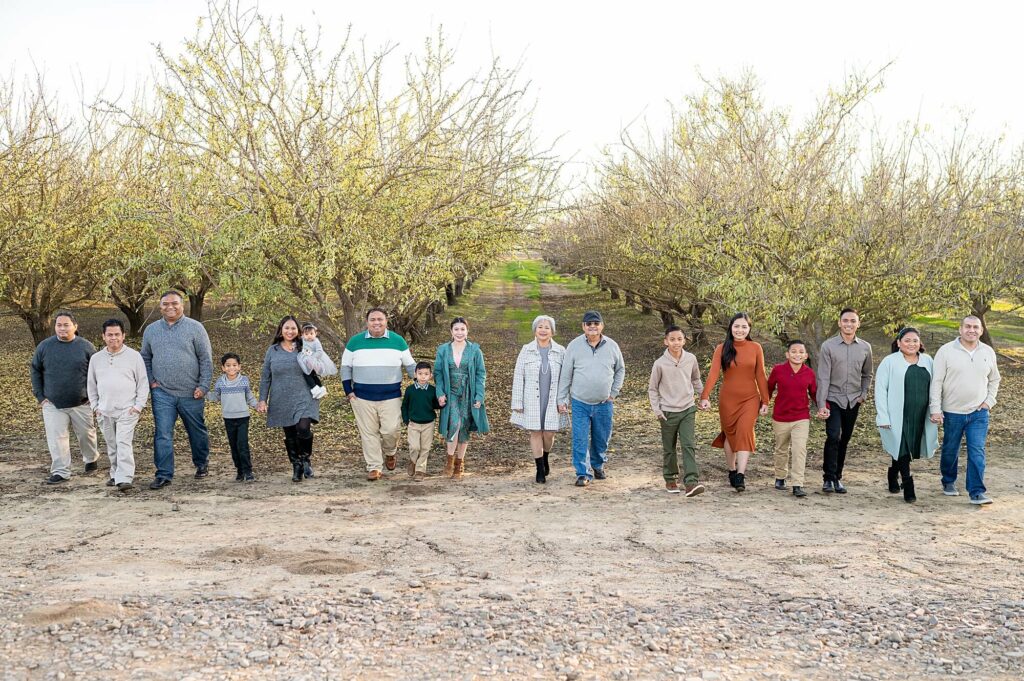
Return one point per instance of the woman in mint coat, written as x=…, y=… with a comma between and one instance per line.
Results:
x=460, y=378
x=901, y=404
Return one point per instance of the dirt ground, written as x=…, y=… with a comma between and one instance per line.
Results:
x=743, y=569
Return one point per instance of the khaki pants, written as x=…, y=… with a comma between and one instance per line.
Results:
x=57, y=423
x=421, y=437
x=791, y=438
x=119, y=434
x=380, y=424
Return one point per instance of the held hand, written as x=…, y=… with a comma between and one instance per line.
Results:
x=351, y=397
x=153, y=385
x=441, y=399
x=823, y=413
x=936, y=418
x=44, y=402
x=198, y=394
x=563, y=409
x=262, y=407
x=763, y=411
x=476, y=405
x=705, y=405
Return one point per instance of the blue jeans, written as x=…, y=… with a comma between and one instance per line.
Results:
x=973, y=427
x=166, y=410
x=591, y=429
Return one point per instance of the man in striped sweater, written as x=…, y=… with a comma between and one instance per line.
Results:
x=371, y=373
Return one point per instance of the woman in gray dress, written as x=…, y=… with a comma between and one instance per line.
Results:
x=287, y=401
x=534, y=388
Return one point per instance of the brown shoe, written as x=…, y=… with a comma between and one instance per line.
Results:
x=373, y=476
x=672, y=487
x=460, y=468
x=694, y=489
x=449, y=465
x=420, y=476
x=410, y=468
x=390, y=462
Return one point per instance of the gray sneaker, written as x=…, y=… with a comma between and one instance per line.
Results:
x=980, y=499
x=950, y=490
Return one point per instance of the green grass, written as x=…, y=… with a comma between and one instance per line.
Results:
x=532, y=273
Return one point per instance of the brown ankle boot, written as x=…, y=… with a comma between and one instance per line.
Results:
x=449, y=465
x=460, y=468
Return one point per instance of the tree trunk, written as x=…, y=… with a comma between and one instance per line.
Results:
x=135, y=312
x=460, y=285
x=615, y=294
x=667, y=318
x=196, y=304
x=630, y=299
x=449, y=293
x=38, y=325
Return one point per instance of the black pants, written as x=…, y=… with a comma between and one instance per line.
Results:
x=238, y=438
x=838, y=431
x=312, y=380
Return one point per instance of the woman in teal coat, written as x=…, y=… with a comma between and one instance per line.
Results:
x=901, y=404
x=460, y=378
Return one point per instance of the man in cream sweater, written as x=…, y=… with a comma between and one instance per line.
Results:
x=118, y=391
x=963, y=389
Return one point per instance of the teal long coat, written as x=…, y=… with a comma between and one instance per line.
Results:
x=889, y=380
x=473, y=360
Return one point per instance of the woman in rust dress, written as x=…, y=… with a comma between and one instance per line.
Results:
x=743, y=395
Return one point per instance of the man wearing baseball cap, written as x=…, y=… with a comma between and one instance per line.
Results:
x=591, y=377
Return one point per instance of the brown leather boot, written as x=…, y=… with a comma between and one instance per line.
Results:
x=460, y=468
x=449, y=465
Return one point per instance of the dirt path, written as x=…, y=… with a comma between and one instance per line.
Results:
x=497, y=576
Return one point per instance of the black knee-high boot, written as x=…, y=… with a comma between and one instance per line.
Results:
x=547, y=468
x=541, y=476
x=307, y=452
x=894, y=484
x=908, y=490
x=291, y=445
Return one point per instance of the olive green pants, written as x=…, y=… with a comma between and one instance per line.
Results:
x=678, y=426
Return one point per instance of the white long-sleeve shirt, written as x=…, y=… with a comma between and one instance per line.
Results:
x=117, y=382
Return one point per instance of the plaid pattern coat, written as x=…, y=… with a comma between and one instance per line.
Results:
x=526, y=389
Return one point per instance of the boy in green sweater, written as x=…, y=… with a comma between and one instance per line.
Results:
x=419, y=410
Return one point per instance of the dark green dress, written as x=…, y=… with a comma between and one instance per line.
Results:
x=915, y=410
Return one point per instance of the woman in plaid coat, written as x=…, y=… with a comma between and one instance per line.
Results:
x=534, y=389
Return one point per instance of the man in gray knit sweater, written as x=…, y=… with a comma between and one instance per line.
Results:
x=179, y=361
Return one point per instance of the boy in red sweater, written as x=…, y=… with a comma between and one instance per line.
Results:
x=791, y=416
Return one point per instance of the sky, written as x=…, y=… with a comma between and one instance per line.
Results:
x=597, y=67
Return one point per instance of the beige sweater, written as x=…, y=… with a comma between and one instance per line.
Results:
x=674, y=385
x=961, y=380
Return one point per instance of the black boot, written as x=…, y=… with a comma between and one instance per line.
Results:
x=547, y=468
x=908, y=490
x=305, y=454
x=894, y=484
x=541, y=475
x=291, y=445
x=732, y=478
x=741, y=483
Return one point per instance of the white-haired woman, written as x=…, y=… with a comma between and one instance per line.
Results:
x=534, y=391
